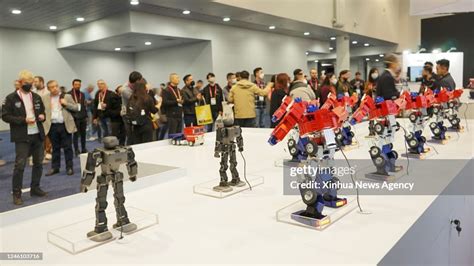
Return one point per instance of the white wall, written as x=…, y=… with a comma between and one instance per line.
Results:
x=195, y=59
x=36, y=51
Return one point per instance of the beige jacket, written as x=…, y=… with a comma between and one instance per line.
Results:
x=242, y=94
x=68, y=119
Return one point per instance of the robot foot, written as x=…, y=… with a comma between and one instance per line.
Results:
x=99, y=237
x=126, y=227
x=235, y=182
x=334, y=202
x=222, y=187
x=313, y=215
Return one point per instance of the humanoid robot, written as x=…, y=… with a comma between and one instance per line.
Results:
x=344, y=134
x=383, y=113
x=439, y=99
x=109, y=157
x=228, y=137
x=418, y=104
x=453, y=108
x=317, y=139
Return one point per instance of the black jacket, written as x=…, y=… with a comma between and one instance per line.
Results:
x=447, y=82
x=206, y=92
x=170, y=104
x=113, y=106
x=275, y=102
x=78, y=97
x=189, y=100
x=386, y=86
x=14, y=113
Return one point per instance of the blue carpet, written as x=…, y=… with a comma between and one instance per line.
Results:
x=57, y=186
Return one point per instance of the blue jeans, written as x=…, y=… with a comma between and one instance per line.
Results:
x=105, y=126
x=260, y=117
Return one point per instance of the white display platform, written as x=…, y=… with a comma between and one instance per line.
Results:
x=243, y=228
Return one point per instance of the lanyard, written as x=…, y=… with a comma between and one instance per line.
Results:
x=259, y=84
x=210, y=91
x=21, y=98
x=101, y=99
x=175, y=95
x=75, y=96
x=311, y=83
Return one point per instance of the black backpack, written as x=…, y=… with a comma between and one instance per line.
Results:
x=136, y=115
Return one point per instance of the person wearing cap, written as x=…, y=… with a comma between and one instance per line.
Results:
x=444, y=78
x=386, y=84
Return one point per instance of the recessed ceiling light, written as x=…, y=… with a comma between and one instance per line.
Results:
x=354, y=42
x=332, y=38
x=134, y=2
x=376, y=60
x=367, y=59
x=381, y=55
x=80, y=19
x=272, y=27
x=117, y=49
x=186, y=12
x=316, y=61
x=16, y=11
x=306, y=33
x=366, y=44
x=307, y=53
x=226, y=19
x=331, y=48
x=147, y=43
x=53, y=27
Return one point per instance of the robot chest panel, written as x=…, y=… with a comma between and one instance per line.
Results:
x=114, y=157
x=229, y=135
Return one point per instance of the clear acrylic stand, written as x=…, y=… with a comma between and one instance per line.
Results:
x=73, y=237
x=207, y=188
x=290, y=215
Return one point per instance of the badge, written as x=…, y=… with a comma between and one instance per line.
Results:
x=18, y=104
x=213, y=101
x=260, y=98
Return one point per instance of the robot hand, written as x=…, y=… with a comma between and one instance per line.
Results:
x=216, y=154
x=241, y=149
x=84, y=189
x=133, y=178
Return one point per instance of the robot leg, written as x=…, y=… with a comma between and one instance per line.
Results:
x=330, y=197
x=314, y=202
x=455, y=121
x=223, y=169
x=101, y=232
x=119, y=199
x=379, y=159
x=233, y=169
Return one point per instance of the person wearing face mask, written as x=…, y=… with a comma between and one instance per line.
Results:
x=231, y=80
x=386, y=83
x=260, y=101
x=428, y=81
x=328, y=86
x=343, y=86
x=191, y=98
x=172, y=105
x=300, y=88
x=214, y=96
x=24, y=111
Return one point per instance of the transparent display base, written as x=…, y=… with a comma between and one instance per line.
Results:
x=354, y=145
x=459, y=130
x=73, y=237
x=211, y=188
x=282, y=161
x=291, y=214
x=440, y=141
x=421, y=156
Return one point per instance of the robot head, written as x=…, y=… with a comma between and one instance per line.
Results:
x=110, y=142
x=379, y=99
x=227, y=117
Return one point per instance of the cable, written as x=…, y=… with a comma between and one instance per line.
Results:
x=432, y=147
x=406, y=147
x=465, y=117
x=352, y=178
x=245, y=170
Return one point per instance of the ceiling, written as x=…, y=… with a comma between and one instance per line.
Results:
x=40, y=14
x=134, y=42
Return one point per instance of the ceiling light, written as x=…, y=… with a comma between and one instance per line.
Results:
x=307, y=53
x=376, y=60
x=186, y=12
x=147, y=43
x=354, y=42
x=134, y=2
x=332, y=38
x=272, y=27
x=406, y=51
x=381, y=55
x=367, y=59
x=316, y=61
x=80, y=19
x=306, y=33
x=226, y=19
x=331, y=48
x=16, y=11
x=117, y=49
x=436, y=51
x=366, y=44
x=53, y=27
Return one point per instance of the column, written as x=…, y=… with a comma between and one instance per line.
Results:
x=343, y=55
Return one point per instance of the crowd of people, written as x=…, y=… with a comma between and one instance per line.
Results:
x=45, y=118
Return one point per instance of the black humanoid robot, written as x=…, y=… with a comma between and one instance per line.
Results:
x=227, y=136
x=110, y=157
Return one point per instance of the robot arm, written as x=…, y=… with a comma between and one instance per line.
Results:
x=367, y=104
x=89, y=173
x=218, y=146
x=132, y=166
x=240, y=140
x=281, y=111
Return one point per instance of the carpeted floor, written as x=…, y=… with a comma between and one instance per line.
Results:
x=57, y=186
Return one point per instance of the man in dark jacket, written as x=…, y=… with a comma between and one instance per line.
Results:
x=386, y=83
x=214, y=96
x=80, y=117
x=443, y=76
x=24, y=111
x=191, y=98
x=172, y=105
x=106, y=109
